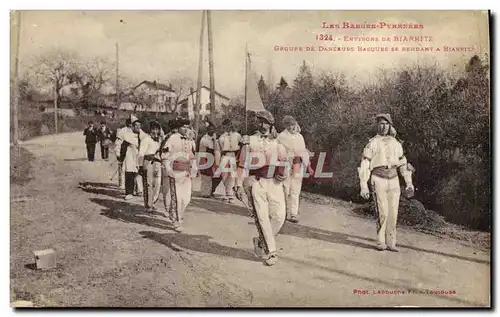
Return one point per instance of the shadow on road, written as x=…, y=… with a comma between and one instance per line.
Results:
x=389, y=284
x=288, y=228
x=30, y=266
x=459, y=257
x=126, y=212
x=107, y=189
x=306, y=232
x=82, y=159
x=219, y=207
x=99, y=184
x=198, y=243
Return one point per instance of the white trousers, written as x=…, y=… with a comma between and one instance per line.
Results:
x=229, y=174
x=151, y=182
x=176, y=196
x=268, y=197
x=386, y=193
x=138, y=184
x=293, y=186
x=165, y=188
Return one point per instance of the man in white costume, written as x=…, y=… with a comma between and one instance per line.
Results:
x=295, y=146
x=179, y=167
x=129, y=145
x=150, y=165
x=207, y=148
x=120, y=151
x=383, y=158
x=263, y=162
x=229, y=144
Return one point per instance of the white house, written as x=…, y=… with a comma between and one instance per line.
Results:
x=153, y=96
x=185, y=107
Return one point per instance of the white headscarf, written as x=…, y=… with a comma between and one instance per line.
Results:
x=392, y=131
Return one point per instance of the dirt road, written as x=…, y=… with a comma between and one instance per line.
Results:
x=111, y=253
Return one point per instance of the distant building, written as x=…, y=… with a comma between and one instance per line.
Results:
x=186, y=106
x=153, y=96
x=147, y=96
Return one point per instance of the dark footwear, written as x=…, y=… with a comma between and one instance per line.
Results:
x=293, y=219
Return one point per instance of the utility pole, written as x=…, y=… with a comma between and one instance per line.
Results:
x=211, y=67
x=16, y=82
x=55, y=108
x=117, y=88
x=246, y=90
x=157, y=102
x=200, y=75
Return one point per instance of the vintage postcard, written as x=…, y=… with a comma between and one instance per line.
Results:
x=250, y=159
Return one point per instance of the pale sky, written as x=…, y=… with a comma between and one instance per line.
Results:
x=164, y=44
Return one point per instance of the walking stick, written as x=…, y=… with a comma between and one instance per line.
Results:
x=241, y=197
x=112, y=177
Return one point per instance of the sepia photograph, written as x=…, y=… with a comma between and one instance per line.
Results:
x=250, y=159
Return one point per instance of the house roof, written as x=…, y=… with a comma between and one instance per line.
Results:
x=217, y=93
x=154, y=85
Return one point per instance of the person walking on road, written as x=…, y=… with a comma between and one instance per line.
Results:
x=383, y=158
x=208, y=146
x=229, y=144
x=294, y=143
x=104, y=135
x=90, y=134
x=150, y=165
x=179, y=167
x=130, y=144
x=121, y=151
x=264, y=182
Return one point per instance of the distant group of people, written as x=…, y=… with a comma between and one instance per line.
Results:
x=263, y=169
x=101, y=135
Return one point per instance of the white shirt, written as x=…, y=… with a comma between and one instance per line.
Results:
x=270, y=148
x=179, y=147
x=381, y=151
x=148, y=147
x=206, y=142
x=384, y=151
x=295, y=145
x=230, y=141
x=126, y=134
x=177, y=143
